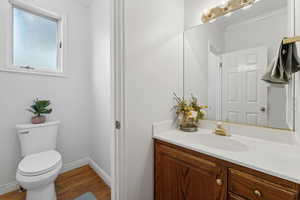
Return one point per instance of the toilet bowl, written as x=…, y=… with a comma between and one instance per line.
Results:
x=41, y=163
x=37, y=172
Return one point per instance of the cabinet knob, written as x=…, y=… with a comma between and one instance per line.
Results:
x=219, y=182
x=257, y=193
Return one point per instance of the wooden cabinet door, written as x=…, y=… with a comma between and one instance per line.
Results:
x=183, y=176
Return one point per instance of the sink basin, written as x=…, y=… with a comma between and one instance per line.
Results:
x=218, y=142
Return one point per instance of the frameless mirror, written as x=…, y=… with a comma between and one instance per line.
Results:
x=225, y=59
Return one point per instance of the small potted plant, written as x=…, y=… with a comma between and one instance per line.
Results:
x=189, y=114
x=39, y=109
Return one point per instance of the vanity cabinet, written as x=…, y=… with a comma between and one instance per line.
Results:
x=182, y=174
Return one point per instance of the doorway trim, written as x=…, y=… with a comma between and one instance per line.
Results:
x=118, y=163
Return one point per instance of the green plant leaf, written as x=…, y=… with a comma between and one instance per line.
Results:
x=40, y=107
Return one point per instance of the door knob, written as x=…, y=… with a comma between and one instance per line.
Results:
x=263, y=109
x=257, y=193
x=219, y=182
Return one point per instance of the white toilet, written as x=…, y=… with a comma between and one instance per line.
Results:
x=41, y=163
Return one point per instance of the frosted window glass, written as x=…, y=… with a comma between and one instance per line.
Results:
x=34, y=40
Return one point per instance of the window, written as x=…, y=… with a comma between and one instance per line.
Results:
x=36, y=43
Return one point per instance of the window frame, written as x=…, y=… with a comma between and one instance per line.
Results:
x=61, y=24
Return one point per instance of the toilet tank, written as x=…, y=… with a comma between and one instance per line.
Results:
x=36, y=138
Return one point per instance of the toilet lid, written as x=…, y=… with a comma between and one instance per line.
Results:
x=40, y=163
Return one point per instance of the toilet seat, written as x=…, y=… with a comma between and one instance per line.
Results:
x=40, y=163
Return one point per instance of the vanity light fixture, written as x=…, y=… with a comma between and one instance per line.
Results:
x=246, y=4
x=226, y=9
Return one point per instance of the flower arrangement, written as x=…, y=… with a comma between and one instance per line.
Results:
x=189, y=113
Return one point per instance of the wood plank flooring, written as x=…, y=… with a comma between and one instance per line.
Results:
x=72, y=184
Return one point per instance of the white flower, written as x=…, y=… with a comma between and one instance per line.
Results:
x=194, y=114
x=180, y=116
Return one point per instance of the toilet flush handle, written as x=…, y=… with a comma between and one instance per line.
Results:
x=24, y=132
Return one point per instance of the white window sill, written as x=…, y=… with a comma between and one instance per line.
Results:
x=33, y=72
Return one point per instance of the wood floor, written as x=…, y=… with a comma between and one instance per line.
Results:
x=72, y=184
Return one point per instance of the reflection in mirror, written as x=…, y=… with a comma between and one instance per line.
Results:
x=226, y=59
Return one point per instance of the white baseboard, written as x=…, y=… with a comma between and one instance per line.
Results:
x=66, y=167
x=75, y=164
x=9, y=187
x=106, y=178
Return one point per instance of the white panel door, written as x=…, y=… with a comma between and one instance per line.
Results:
x=244, y=93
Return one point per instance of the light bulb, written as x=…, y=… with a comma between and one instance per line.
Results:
x=213, y=20
x=224, y=4
x=206, y=11
x=247, y=7
x=228, y=14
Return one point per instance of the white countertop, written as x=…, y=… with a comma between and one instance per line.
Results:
x=278, y=159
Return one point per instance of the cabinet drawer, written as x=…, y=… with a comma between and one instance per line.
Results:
x=189, y=159
x=234, y=197
x=254, y=188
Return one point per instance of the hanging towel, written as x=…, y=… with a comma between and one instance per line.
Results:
x=283, y=66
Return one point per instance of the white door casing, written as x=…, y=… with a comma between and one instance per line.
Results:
x=118, y=188
x=214, y=86
x=244, y=93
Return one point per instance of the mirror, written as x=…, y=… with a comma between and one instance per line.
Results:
x=225, y=59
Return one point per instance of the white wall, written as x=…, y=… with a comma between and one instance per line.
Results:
x=102, y=125
x=153, y=70
x=197, y=41
x=267, y=29
x=70, y=96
